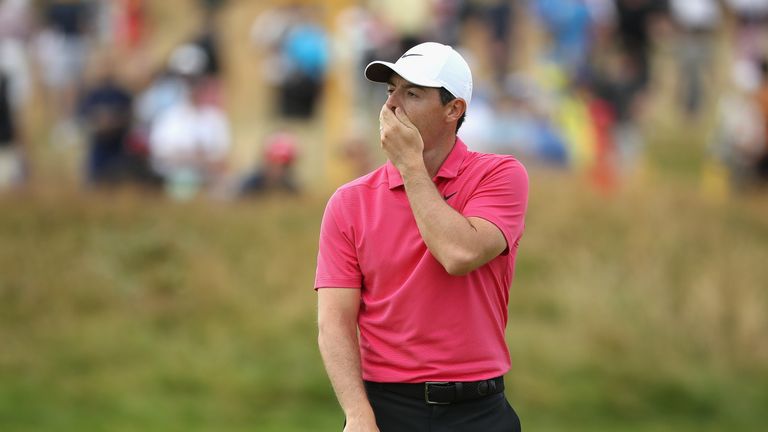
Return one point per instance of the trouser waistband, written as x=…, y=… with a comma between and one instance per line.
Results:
x=443, y=393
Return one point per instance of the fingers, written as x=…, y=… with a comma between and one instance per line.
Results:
x=383, y=122
x=398, y=118
x=386, y=117
x=403, y=118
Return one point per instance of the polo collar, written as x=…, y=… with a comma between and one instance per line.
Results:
x=449, y=169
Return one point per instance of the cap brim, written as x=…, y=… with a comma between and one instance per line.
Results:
x=381, y=71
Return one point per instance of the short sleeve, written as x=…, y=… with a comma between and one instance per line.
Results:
x=337, y=264
x=502, y=199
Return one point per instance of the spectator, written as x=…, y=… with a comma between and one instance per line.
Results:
x=635, y=19
x=740, y=136
x=189, y=142
x=10, y=161
x=616, y=79
x=299, y=51
x=498, y=17
x=762, y=100
x=276, y=172
x=15, y=30
x=751, y=32
x=63, y=52
x=305, y=50
x=106, y=111
x=697, y=21
x=568, y=23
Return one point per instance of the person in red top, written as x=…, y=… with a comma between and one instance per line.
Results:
x=416, y=260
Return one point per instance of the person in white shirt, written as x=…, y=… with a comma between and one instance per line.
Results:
x=189, y=142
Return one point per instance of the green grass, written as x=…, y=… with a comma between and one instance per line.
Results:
x=641, y=312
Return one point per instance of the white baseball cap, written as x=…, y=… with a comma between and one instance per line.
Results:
x=429, y=64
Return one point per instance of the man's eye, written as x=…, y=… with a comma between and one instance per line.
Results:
x=412, y=94
x=390, y=91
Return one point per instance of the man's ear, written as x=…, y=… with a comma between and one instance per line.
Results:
x=455, y=109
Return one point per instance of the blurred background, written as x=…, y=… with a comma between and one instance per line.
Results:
x=164, y=166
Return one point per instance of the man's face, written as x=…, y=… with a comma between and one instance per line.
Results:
x=421, y=104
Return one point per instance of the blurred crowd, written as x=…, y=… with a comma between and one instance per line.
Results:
x=576, y=103
x=164, y=127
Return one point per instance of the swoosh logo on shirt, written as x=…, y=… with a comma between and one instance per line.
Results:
x=447, y=197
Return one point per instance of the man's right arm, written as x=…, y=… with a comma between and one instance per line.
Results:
x=340, y=349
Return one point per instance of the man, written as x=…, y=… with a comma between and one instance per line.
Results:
x=418, y=256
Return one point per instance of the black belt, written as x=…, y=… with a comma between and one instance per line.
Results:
x=444, y=393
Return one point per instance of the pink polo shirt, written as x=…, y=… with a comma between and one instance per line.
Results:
x=418, y=323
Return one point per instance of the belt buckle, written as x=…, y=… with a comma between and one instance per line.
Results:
x=426, y=392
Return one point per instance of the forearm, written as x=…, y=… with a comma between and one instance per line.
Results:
x=341, y=355
x=449, y=236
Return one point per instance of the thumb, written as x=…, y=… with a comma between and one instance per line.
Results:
x=400, y=114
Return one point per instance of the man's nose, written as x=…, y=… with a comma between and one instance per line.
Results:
x=392, y=101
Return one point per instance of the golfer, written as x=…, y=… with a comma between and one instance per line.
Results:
x=416, y=260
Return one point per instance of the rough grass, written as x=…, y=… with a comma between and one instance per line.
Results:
x=646, y=311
